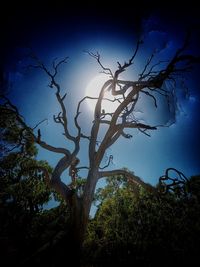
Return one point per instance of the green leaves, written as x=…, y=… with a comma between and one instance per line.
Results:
x=23, y=189
x=138, y=227
x=22, y=185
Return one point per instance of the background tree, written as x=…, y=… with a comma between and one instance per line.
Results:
x=23, y=191
x=126, y=93
x=138, y=227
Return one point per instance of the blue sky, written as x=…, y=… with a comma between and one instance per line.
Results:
x=148, y=157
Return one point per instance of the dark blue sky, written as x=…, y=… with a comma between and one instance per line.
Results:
x=58, y=31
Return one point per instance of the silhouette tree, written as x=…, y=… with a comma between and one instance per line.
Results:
x=125, y=93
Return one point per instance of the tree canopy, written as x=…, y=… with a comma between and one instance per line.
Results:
x=137, y=227
x=23, y=190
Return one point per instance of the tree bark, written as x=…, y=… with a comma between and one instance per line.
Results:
x=80, y=208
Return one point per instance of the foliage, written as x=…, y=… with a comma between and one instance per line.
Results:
x=144, y=228
x=23, y=190
x=13, y=136
x=22, y=185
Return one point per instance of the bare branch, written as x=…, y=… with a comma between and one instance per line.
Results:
x=176, y=184
x=59, y=119
x=82, y=167
x=129, y=111
x=96, y=124
x=145, y=67
x=85, y=136
x=115, y=136
x=54, y=149
x=144, y=132
x=108, y=164
x=151, y=71
x=130, y=178
x=39, y=123
x=78, y=113
x=112, y=130
x=105, y=114
x=64, y=120
x=171, y=69
x=97, y=57
x=56, y=182
x=57, y=65
x=152, y=96
x=63, y=96
x=39, y=64
x=136, y=125
x=122, y=68
x=115, y=131
x=128, y=136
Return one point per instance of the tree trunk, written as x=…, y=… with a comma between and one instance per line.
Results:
x=76, y=222
x=80, y=210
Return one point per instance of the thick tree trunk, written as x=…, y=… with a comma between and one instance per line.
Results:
x=76, y=223
x=80, y=211
x=77, y=231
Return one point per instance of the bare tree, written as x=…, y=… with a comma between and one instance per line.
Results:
x=124, y=92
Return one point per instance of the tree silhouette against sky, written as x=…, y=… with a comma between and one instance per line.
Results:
x=79, y=194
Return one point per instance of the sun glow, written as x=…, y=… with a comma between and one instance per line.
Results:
x=93, y=89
